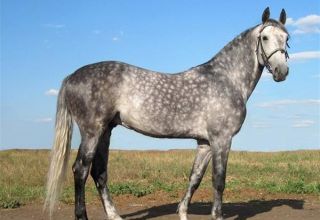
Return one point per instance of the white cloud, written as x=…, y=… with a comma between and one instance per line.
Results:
x=44, y=120
x=295, y=116
x=261, y=125
x=96, y=31
x=305, y=25
x=118, y=36
x=308, y=20
x=289, y=21
x=266, y=74
x=316, y=75
x=52, y=92
x=285, y=102
x=303, y=123
x=307, y=30
x=55, y=26
x=305, y=55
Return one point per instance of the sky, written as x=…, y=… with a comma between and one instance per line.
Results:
x=44, y=41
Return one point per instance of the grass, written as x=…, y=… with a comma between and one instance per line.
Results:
x=23, y=174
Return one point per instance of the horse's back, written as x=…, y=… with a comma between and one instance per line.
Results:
x=101, y=90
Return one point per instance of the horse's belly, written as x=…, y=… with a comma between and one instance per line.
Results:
x=163, y=126
x=159, y=116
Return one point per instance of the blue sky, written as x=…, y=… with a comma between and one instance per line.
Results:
x=44, y=41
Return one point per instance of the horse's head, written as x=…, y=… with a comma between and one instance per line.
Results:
x=272, y=45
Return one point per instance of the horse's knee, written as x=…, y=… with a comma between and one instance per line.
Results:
x=219, y=183
x=76, y=167
x=195, y=181
x=219, y=187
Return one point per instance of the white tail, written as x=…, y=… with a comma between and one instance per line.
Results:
x=60, y=152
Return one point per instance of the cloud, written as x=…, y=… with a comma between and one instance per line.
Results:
x=266, y=74
x=52, y=92
x=55, y=26
x=316, y=75
x=308, y=20
x=295, y=116
x=305, y=25
x=305, y=55
x=118, y=36
x=115, y=38
x=289, y=21
x=303, y=123
x=97, y=31
x=285, y=102
x=261, y=125
x=44, y=120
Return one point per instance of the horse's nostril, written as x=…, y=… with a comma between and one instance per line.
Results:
x=276, y=70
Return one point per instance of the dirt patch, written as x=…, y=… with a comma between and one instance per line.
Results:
x=162, y=205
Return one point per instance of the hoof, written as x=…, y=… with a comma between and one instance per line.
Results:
x=84, y=217
x=81, y=218
x=183, y=216
x=115, y=217
x=214, y=217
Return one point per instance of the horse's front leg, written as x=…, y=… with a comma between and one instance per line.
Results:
x=199, y=167
x=220, y=146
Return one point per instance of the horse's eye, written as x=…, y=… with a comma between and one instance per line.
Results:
x=264, y=38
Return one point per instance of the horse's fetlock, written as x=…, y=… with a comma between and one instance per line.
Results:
x=81, y=213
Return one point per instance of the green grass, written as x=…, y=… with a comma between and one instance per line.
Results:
x=130, y=188
x=23, y=174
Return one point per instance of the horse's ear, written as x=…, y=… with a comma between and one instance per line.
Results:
x=283, y=17
x=265, y=15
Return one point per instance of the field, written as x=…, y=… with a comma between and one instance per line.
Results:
x=146, y=175
x=23, y=173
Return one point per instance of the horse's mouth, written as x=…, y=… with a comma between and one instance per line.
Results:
x=278, y=76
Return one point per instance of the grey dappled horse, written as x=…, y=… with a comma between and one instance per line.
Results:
x=206, y=103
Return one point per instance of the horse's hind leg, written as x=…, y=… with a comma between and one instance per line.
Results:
x=200, y=164
x=99, y=173
x=80, y=169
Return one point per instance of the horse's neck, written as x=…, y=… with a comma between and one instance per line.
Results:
x=238, y=60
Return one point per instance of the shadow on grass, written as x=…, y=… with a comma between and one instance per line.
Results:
x=239, y=211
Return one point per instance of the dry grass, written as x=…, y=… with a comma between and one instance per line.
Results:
x=23, y=173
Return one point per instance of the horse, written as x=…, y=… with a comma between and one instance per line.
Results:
x=206, y=103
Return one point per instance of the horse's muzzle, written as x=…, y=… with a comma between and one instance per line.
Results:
x=280, y=73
